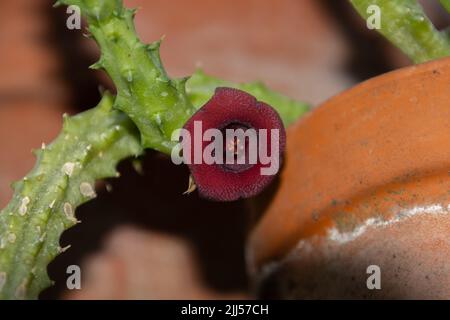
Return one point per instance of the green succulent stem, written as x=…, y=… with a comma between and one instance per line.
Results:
x=44, y=202
x=157, y=104
x=405, y=24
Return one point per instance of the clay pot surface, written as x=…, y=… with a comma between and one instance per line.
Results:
x=366, y=182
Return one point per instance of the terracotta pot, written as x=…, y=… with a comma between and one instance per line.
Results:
x=366, y=182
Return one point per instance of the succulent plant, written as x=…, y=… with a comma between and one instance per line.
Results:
x=406, y=25
x=44, y=202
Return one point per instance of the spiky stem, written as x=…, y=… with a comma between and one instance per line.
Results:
x=44, y=202
x=405, y=24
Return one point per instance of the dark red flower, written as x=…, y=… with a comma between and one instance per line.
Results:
x=234, y=109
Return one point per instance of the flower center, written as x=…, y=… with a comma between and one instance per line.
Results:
x=236, y=147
